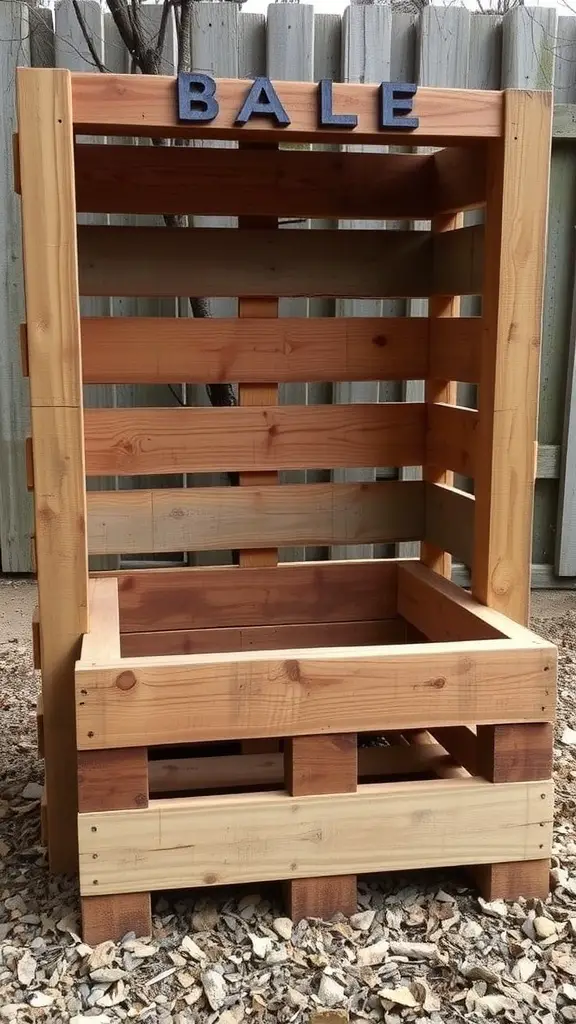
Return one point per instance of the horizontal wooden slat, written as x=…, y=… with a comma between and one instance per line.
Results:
x=261, y=638
x=160, y=261
x=141, y=350
x=248, y=182
x=451, y=438
x=458, y=259
x=455, y=348
x=234, y=596
x=138, y=105
x=450, y=520
x=128, y=442
x=382, y=827
x=460, y=179
x=220, y=518
x=443, y=611
x=196, y=698
x=235, y=770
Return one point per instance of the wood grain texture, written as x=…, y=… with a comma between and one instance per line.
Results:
x=53, y=330
x=132, y=350
x=321, y=764
x=40, y=726
x=221, y=518
x=513, y=281
x=460, y=179
x=455, y=348
x=529, y=879
x=519, y=753
x=461, y=743
x=451, y=439
x=221, y=597
x=449, y=521
x=124, y=105
x=395, y=826
x=129, y=442
x=112, y=780
x=106, y=918
x=197, y=698
x=179, y=775
x=244, y=182
x=458, y=261
x=102, y=641
x=261, y=638
x=164, y=262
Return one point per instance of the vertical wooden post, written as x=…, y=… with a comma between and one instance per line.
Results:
x=50, y=265
x=508, y=399
x=258, y=395
x=440, y=391
x=321, y=764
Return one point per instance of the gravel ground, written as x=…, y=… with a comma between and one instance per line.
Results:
x=421, y=949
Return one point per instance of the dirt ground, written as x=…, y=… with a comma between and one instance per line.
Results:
x=423, y=948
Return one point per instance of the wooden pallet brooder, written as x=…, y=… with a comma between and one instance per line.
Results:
x=213, y=714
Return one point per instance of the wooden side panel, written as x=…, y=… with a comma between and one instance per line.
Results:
x=102, y=642
x=197, y=698
x=53, y=330
x=455, y=348
x=513, y=276
x=255, y=517
x=518, y=753
x=125, y=105
x=379, y=828
x=450, y=520
x=132, y=350
x=458, y=257
x=451, y=438
x=263, y=638
x=222, y=597
x=130, y=442
x=159, y=262
x=460, y=179
x=242, y=182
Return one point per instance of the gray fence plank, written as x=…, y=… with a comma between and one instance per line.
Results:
x=15, y=504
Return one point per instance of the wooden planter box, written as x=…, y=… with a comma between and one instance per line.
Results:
x=210, y=725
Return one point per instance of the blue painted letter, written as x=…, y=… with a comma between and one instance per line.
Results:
x=395, y=100
x=327, y=118
x=263, y=101
x=196, y=97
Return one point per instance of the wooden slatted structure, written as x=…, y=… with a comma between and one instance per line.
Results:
x=263, y=677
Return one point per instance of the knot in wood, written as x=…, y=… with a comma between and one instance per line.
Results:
x=380, y=340
x=126, y=680
x=293, y=671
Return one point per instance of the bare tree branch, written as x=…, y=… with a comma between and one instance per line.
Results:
x=89, y=41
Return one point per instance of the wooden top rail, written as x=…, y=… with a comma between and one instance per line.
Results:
x=147, y=105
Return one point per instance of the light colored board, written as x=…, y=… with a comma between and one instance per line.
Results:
x=214, y=39
x=458, y=258
x=366, y=49
x=251, y=45
x=165, y=350
x=428, y=593
x=485, y=60
x=449, y=521
x=455, y=348
x=548, y=461
x=236, y=770
x=565, y=561
x=504, y=465
x=15, y=503
x=216, y=518
x=129, y=441
x=117, y=261
x=53, y=327
x=244, y=182
x=102, y=641
x=327, y=46
x=197, y=698
x=260, y=638
x=452, y=438
x=528, y=44
x=379, y=828
x=564, y=121
x=145, y=105
x=208, y=598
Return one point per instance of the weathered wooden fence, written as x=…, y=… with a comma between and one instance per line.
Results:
x=530, y=48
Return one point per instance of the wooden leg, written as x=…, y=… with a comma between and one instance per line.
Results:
x=515, y=753
x=114, y=780
x=321, y=764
